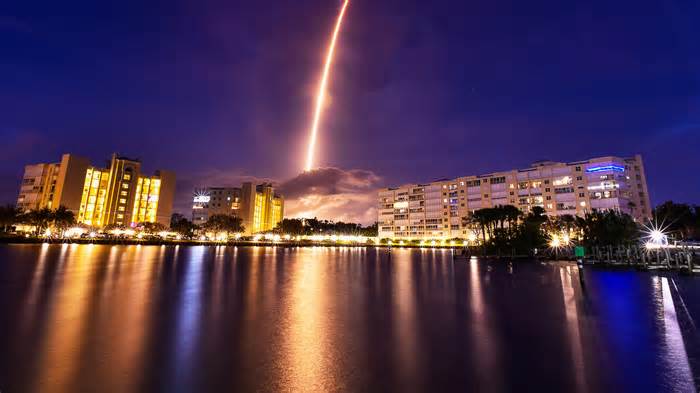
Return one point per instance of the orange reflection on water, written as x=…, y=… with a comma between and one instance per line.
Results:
x=60, y=350
x=405, y=324
x=306, y=363
x=128, y=299
x=93, y=293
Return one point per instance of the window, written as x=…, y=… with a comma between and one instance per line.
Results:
x=125, y=185
x=581, y=195
x=563, y=190
x=547, y=189
x=578, y=169
x=579, y=178
x=549, y=198
x=127, y=176
x=122, y=200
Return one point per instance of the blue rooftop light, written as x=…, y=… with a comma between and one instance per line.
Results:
x=605, y=168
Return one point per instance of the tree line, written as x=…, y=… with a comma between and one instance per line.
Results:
x=314, y=226
x=59, y=219
x=506, y=229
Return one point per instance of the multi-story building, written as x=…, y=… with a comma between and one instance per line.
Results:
x=54, y=184
x=116, y=195
x=211, y=201
x=435, y=210
x=258, y=206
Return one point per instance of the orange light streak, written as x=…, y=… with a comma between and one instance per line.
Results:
x=321, y=96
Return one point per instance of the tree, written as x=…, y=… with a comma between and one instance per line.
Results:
x=9, y=216
x=40, y=219
x=290, y=226
x=62, y=219
x=682, y=221
x=181, y=225
x=608, y=228
x=370, y=230
x=224, y=223
x=152, y=227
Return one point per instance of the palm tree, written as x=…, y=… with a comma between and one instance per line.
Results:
x=9, y=215
x=63, y=219
x=39, y=219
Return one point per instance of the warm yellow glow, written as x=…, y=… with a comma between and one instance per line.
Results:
x=146, y=200
x=321, y=96
x=92, y=203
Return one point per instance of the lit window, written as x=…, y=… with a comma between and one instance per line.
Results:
x=125, y=185
x=127, y=176
x=122, y=200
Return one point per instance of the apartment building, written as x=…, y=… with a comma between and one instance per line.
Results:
x=210, y=201
x=435, y=210
x=116, y=195
x=259, y=207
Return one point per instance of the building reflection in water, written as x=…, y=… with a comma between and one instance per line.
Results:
x=674, y=354
x=487, y=351
x=30, y=305
x=58, y=360
x=569, y=279
x=142, y=318
x=127, y=296
x=187, y=325
x=307, y=366
x=404, y=324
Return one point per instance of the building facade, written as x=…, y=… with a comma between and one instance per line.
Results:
x=258, y=206
x=435, y=210
x=117, y=195
x=211, y=201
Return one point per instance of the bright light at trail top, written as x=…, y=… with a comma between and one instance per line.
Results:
x=321, y=96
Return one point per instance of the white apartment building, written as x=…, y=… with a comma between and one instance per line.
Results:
x=435, y=210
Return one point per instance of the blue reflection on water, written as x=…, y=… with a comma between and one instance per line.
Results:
x=632, y=319
x=189, y=317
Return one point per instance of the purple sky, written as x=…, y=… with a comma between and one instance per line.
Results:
x=220, y=91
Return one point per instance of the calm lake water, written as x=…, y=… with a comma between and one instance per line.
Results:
x=89, y=318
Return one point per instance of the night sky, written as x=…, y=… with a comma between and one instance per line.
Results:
x=221, y=91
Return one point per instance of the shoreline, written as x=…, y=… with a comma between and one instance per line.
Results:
x=308, y=243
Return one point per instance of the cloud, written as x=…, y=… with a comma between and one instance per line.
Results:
x=326, y=193
x=332, y=193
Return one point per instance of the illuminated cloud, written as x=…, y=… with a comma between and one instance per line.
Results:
x=326, y=193
x=332, y=193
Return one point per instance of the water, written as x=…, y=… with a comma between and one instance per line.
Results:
x=82, y=318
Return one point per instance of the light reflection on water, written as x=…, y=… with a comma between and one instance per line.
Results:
x=154, y=318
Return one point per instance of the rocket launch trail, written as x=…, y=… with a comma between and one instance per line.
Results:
x=321, y=95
